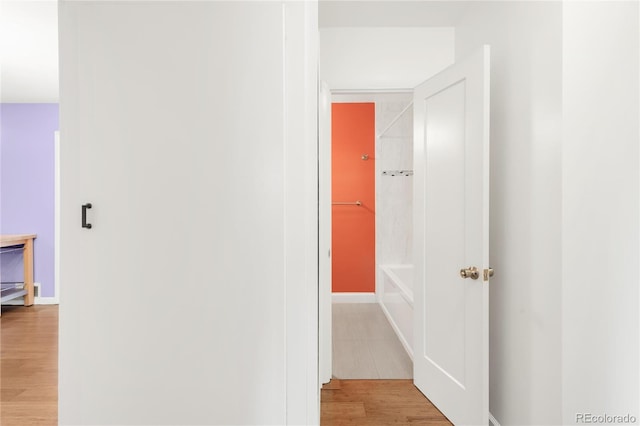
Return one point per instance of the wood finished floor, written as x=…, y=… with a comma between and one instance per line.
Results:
x=376, y=403
x=29, y=381
x=29, y=366
x=364, y=344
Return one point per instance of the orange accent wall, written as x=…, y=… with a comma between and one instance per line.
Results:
x=352, y=179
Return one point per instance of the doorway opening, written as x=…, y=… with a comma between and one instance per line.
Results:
x=371, y=167
x=371, y=256
x=366, y=64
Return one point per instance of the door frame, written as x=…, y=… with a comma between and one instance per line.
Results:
x=56, y=219
x=325, y=347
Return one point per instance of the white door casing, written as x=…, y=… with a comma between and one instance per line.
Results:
x=451, y=232
x=324, y=226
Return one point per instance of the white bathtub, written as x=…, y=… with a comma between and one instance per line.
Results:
x=396, y=299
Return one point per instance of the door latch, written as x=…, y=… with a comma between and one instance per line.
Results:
x=488, y=273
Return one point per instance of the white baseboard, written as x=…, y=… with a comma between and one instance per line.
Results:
x=353, y=298
x=493, y=421
x=36, y=301
x=41, y=300
x=46, y=301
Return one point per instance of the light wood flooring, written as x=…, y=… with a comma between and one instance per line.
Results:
x=365, y=346
x=29, y=365
x=377, y=403
x=29, y=379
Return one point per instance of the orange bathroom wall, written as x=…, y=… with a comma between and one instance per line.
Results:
x=353, y=179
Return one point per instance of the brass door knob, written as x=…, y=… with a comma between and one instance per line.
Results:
x=470, y=272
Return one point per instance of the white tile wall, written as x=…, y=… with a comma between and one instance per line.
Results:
x=394, y=194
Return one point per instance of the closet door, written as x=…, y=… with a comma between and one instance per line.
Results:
x=173, y=307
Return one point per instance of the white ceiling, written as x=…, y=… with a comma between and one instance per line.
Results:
x=28, y=51
x=375, y=58
x=29, y=36
x=411, y=13
x=373, y=45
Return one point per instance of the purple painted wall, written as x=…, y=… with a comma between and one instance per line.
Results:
x=27, y=187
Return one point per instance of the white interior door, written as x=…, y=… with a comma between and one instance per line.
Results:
x=190, y=300
x=451, y=222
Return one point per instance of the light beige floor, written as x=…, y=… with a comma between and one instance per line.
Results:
x=365, y=346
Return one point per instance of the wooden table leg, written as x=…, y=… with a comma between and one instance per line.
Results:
x=28, y=271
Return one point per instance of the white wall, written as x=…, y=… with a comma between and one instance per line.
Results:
x=525, y=245
x=600, y=209
x=394, y=194
x=383, y=58
x=390, y=13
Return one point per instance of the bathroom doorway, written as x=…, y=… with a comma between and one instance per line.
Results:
x=366, y=65
x=371, y=158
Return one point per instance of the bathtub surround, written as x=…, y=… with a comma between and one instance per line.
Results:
x=394, y=194
x=27, y=187
x=396, y=301
x=394, y=221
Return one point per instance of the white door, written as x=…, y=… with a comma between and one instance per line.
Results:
x=186, y=302
x=451, y=156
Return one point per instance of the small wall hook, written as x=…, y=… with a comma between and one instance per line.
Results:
x=365, y=157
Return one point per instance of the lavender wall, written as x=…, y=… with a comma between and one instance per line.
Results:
x=27, y=194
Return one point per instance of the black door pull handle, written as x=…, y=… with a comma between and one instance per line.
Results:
x=84, y=215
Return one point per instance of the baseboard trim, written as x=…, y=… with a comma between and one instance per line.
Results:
x=36, y=301
x=353, y=298
x=46, y=301
x=493, y=420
